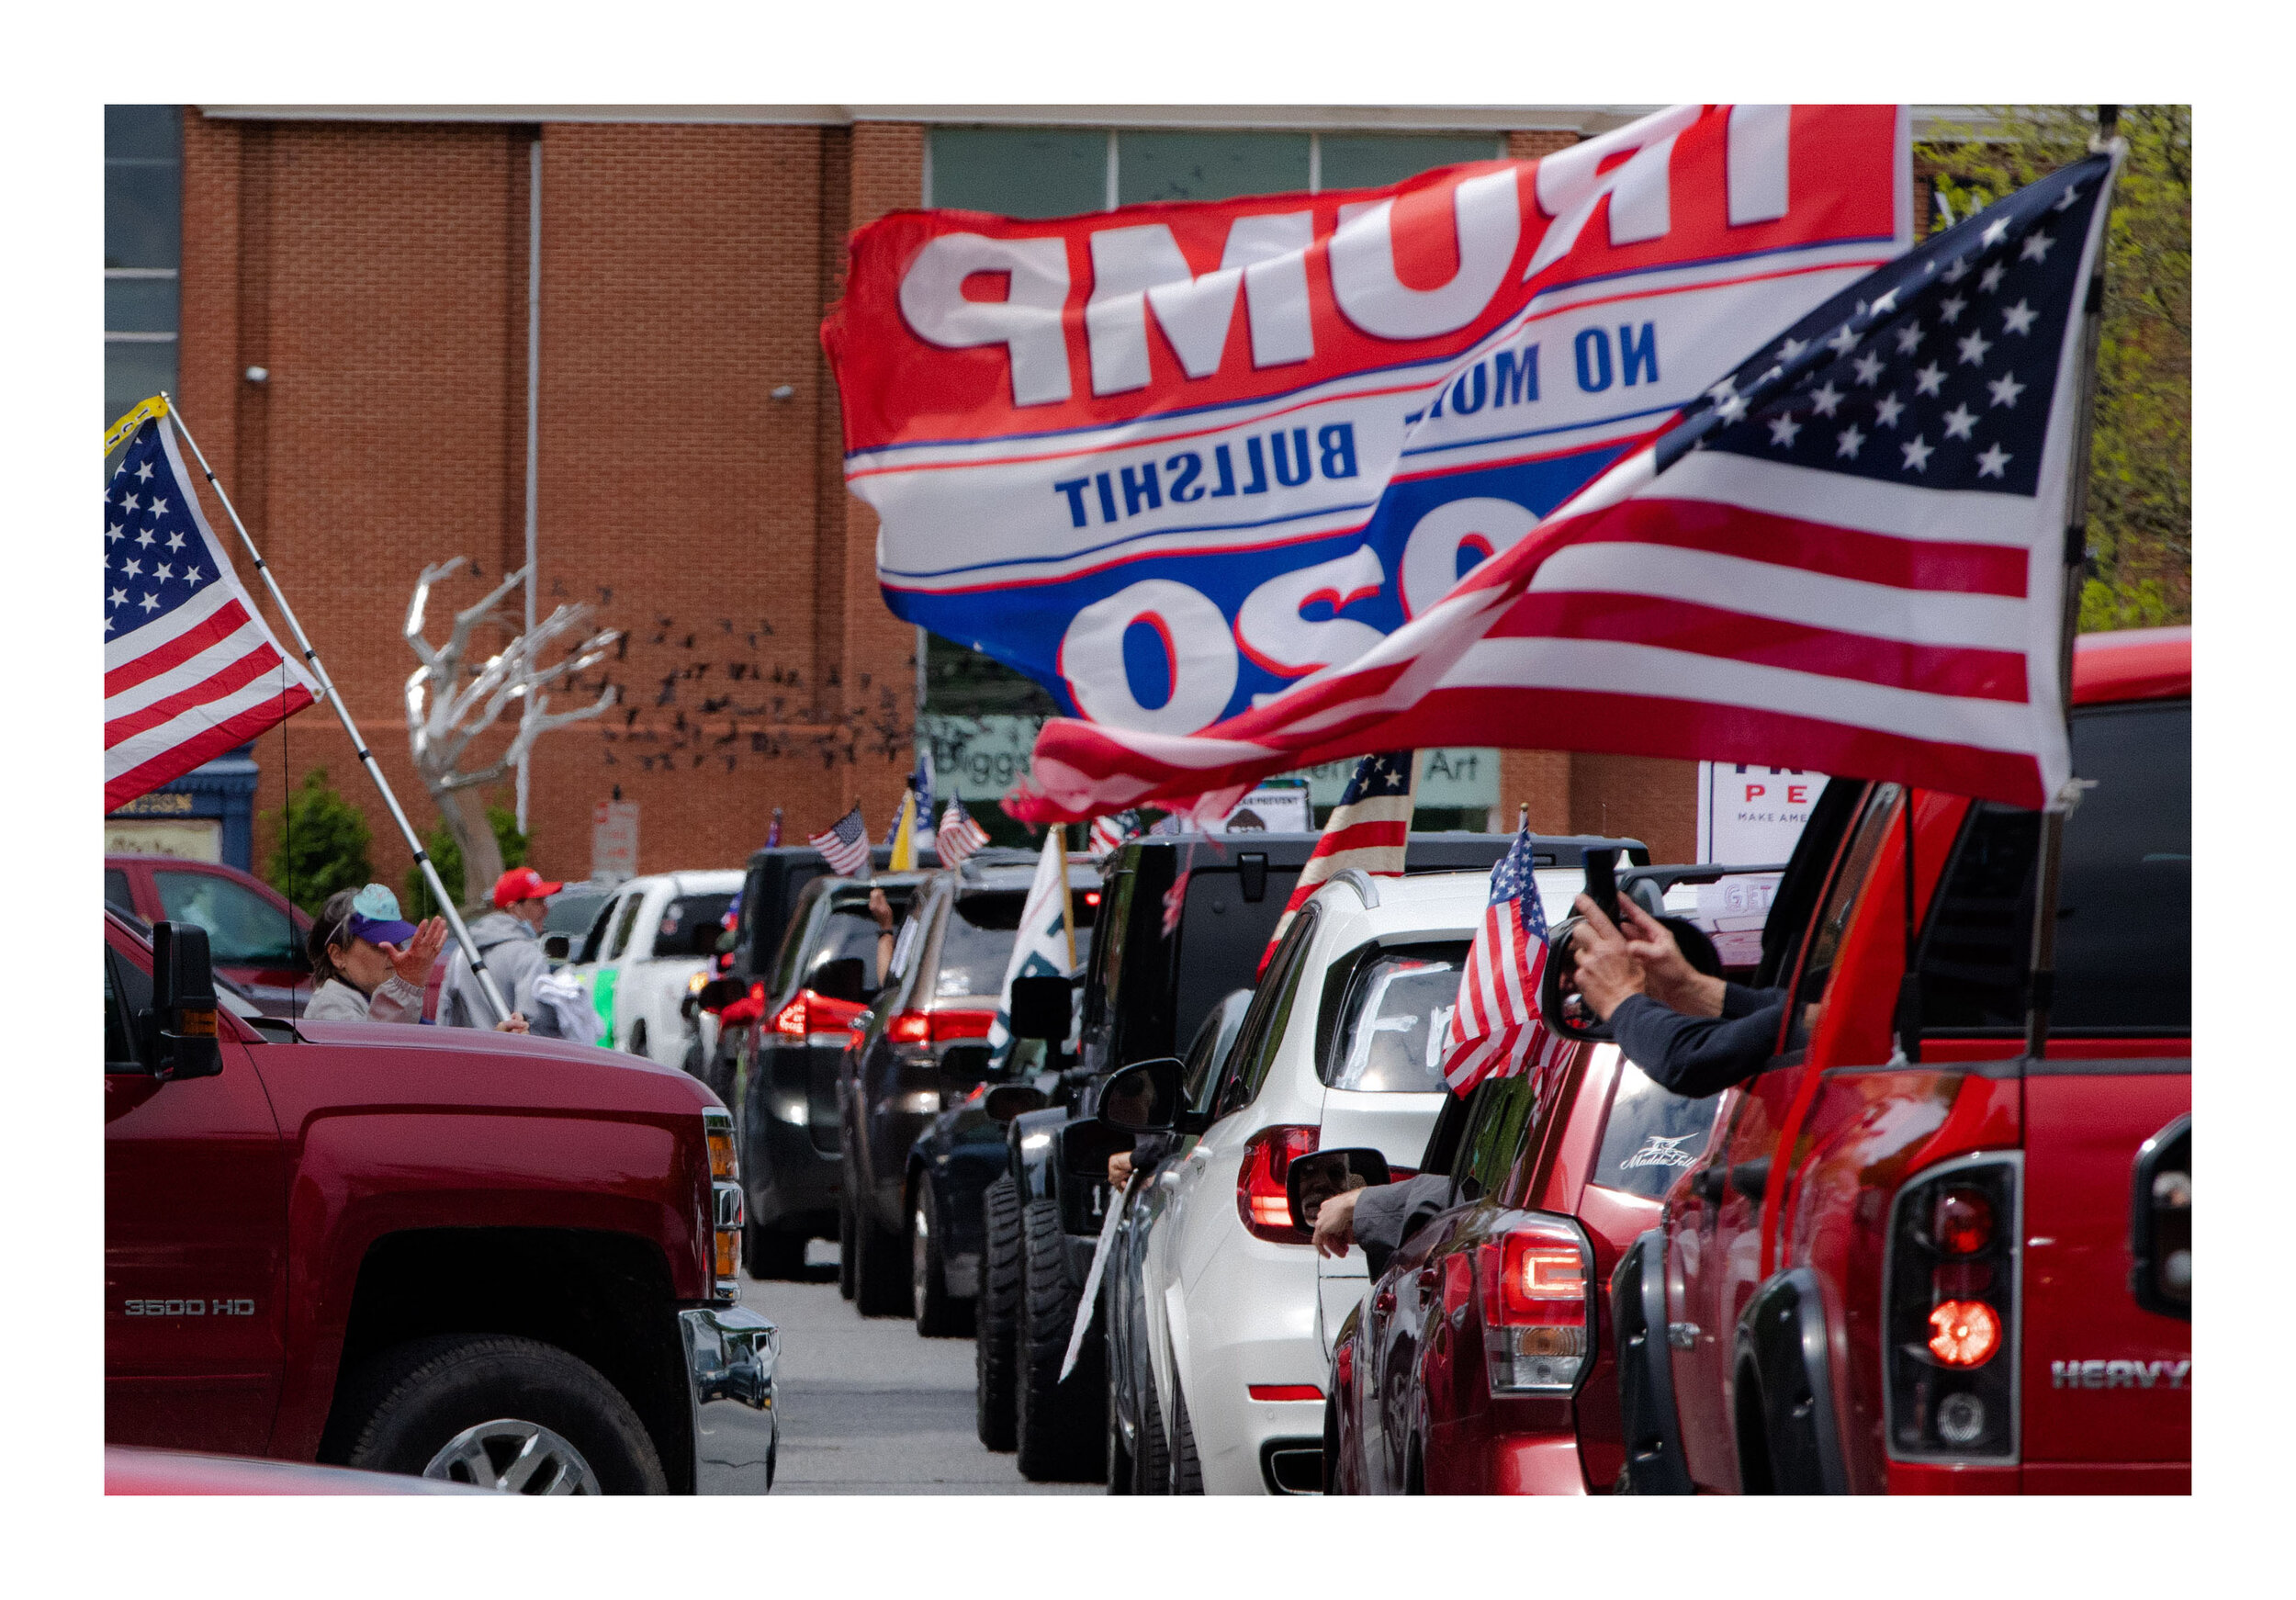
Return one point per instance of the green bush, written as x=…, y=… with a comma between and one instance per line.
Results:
x=319, y=847
x=446, y=855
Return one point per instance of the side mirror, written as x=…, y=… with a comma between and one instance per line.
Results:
x=1566, y=1013
x=720, y=993
x=1145, y=1098
x=1040, y=1009
x=557, y=946
x=1316, y=1178
x=846, y=980
x=182, y=1035
x=1006, y=1101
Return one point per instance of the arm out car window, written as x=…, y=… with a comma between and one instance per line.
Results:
x=2124, y=895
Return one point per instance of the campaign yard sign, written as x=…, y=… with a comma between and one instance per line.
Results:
x=1752, y=815
x=1172, y=458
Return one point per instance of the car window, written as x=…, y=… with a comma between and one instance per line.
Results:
x=978, y=937
x=1115, y=900
x=1500, y=1125
x=2125, y=894
x=116, y=890
x=1396, y=1010
x=687, y=917
x=594, y=941
x=120, y=1051
x=1881, y=814
x=1265, y=1025
x=625, y=919
x=796, y=938
x=1649, y=1134
x=1213, y=1040
x=572, y=911
x=245, y=927
x=848, y=931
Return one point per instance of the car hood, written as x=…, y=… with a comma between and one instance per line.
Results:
x=471, y=1065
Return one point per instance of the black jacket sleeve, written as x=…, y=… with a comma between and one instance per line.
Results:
x=1700, y=1055
x=1389, y=1214
x=1150, y=1148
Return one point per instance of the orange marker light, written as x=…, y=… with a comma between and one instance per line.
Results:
x=1967, y=1333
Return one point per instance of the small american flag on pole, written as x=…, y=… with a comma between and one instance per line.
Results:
x=957, y=835
x=845, y=845
x=1108, y=834
x=1367, y=830
x=189, y=669
x=1496, y=1028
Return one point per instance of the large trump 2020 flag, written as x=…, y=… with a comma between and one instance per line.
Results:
x=1172, y=459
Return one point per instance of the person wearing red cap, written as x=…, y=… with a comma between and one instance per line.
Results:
x=510, y=937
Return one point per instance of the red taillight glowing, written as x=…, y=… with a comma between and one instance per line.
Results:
x=909, y=1028
x=1261, y=1197
x=1963, y=1223
x=953, y=1025
x=1284, y=1392
x=1967, y=1333
x=1092, y=896
x=1538, y=1336
x=791, y=1019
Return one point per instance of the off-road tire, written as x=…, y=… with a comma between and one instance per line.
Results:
x=847, y=1245
x=1057, y=1426
x=401, y=1409
x=769, y=1252
x=881, y=1270
x=997, y=1316
x=1151, y=1453
x=939, y=1316
x=1188, y=1473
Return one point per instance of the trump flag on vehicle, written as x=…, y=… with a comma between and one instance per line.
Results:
x=1171, y=458
x=1848, y=554
x=1367, y=830
x=1496, y=1028
x=189, y=669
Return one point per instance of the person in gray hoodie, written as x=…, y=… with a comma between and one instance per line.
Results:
x=510, y=937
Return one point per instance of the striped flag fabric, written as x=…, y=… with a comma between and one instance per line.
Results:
x=1496, y=1028
x=1108, y=834
x=189, y=669
x=1366, y=830
x=845, y=844
x=958, y=837
x=1848, y=554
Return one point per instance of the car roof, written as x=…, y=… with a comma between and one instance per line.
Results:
x=2145, y=663
x=1423, y=900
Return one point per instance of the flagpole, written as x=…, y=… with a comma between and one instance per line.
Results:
x=2041, y=979
x=366, y=757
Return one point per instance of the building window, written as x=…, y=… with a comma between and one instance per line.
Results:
x=1210, y=167
x=143, y=235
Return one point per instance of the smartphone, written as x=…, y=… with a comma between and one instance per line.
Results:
x=1601, y=881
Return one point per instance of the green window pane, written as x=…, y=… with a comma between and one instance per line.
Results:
x=135, y=372
x=139, y=305
x=1362, y=161
x=1209, y=166
x=1021, y=172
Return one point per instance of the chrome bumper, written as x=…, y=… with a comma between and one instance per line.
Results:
x=730, y=1354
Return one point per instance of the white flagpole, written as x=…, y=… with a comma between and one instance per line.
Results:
x=327, y=692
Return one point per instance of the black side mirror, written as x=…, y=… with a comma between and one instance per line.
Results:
x=846, y=979
x=1006, y=1101
x=1567, y=1015
x=182, y=1031
x=720, y=993
x=557, y=946
x=1316, y=1178
x=1145, y=1098
x=1040, y=1009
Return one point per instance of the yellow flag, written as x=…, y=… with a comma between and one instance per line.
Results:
x=905, y=835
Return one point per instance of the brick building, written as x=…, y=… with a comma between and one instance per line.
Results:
x=352, y=351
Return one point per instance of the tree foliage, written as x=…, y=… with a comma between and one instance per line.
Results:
x=2140, y=505
x=446, y=855
x=318, y=843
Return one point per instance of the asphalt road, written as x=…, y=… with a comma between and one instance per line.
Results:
x=868, y=1407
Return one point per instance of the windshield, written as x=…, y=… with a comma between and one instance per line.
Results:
x=1399, y=1009
x=692, y=924
x=976, y=940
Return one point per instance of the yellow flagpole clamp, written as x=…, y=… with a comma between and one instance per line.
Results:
x=119, y=433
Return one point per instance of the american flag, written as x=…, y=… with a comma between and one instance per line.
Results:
x=189, y=669
x=1496, y=1027
x=958, y=836
x=845, y=845
x=1366, y=830
x=1848, y=554
x=1108, y=834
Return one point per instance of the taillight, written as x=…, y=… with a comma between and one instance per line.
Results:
x=725, y=1205
x=1261, y=1197
x=947, y=1026
x=909, y=1028
x=1538, y=1307
x=791, y=1019
x=1950, y=1287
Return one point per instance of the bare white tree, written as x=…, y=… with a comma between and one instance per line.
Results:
x=451, y=702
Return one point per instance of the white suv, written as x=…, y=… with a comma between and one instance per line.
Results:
x=1342, y=1047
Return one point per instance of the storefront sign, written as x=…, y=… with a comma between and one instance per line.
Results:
x=1750, y=816
x=1466, y=777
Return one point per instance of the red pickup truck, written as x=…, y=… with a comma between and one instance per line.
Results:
x=1915, y=1255
x=502, y=1261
